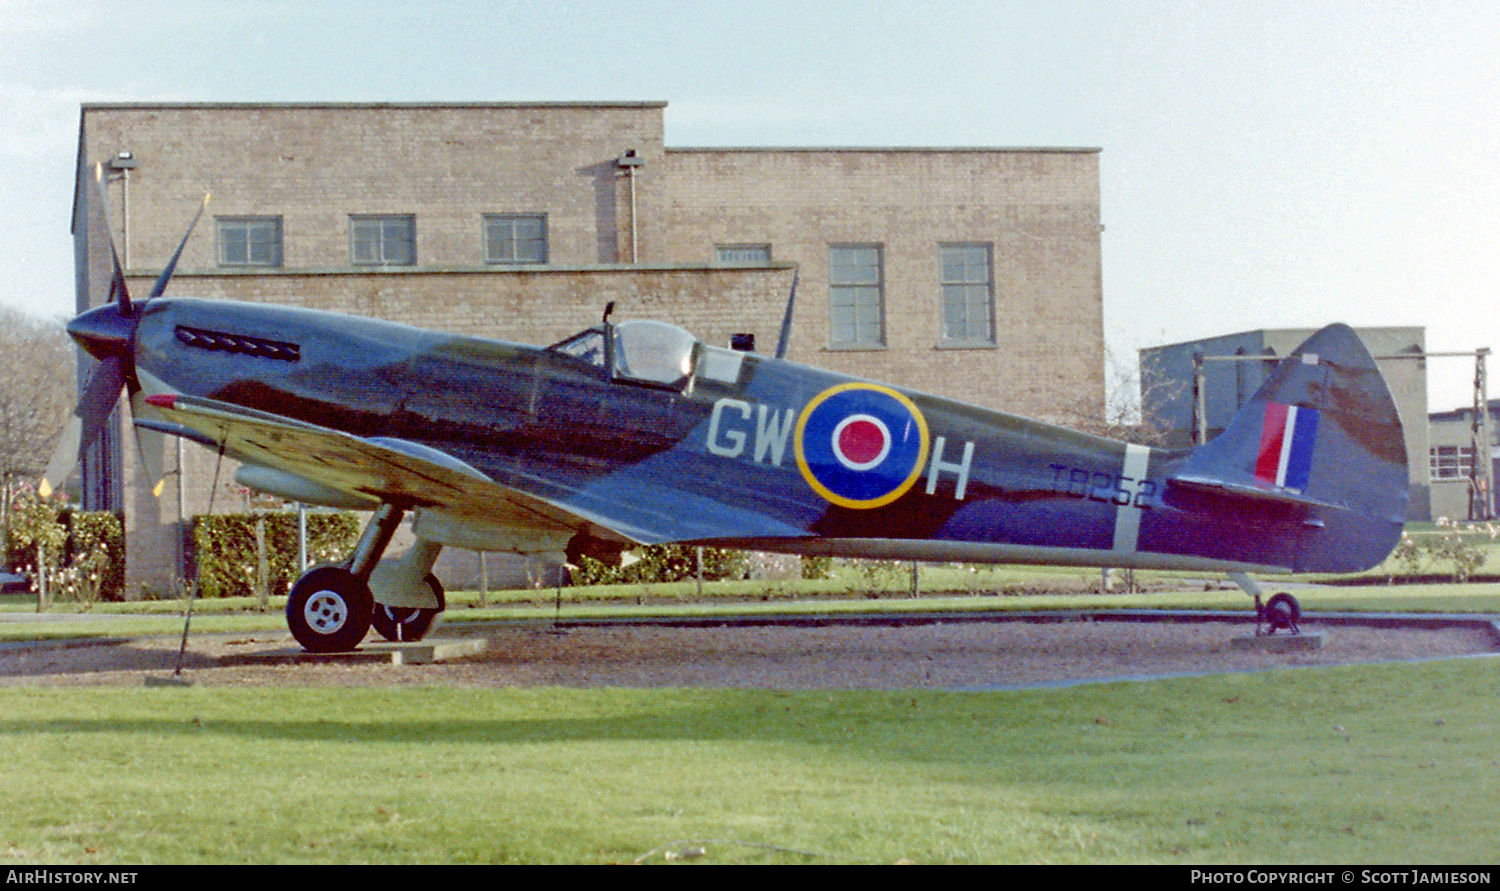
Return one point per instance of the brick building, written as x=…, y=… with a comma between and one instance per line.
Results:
x=970, y=273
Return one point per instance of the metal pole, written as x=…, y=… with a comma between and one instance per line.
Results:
x=301, y=536
x=41, y=577
x=1484, y=413
x=634, y=253
x=1200, y=401
x=262, y=567
x=125, y=214
x=1481, y=467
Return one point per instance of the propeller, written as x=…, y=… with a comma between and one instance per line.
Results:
x=107, y=333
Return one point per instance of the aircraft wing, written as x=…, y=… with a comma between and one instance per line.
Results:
x=366, y=471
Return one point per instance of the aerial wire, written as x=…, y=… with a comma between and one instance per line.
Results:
x=187, y=619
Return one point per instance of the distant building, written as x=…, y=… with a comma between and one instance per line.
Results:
x=972, y=273
x=1169, y=397
x=1458, y=491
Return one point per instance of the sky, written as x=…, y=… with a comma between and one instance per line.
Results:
x=1264, y=164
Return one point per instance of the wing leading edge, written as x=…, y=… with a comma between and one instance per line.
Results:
x=365, y=471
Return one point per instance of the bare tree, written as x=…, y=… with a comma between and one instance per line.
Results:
x=37, y=392
x=1132, y=409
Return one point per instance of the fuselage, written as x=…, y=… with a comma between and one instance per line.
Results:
x=739, y=449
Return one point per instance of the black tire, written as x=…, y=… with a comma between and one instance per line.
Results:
x=407, y=623
x=328, y=610
x=1283, y=611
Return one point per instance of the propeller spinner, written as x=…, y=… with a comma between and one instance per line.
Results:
x=108, y=334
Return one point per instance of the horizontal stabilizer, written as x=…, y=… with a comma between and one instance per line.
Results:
x=1268, y=495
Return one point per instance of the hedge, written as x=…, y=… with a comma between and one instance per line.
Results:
x=227, y=557
x=664, y=563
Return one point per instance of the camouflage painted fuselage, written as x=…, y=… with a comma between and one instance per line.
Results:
x=751, y=451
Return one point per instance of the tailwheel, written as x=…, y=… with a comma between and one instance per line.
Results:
x=408, y=623
x=329, y=610
x=1281, y=611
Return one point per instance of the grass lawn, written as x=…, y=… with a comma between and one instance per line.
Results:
x=1379, y=764
x=1372, y=764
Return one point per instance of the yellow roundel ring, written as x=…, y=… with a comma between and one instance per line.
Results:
x=861, y=445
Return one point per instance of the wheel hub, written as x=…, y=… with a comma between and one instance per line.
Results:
x=326, y=612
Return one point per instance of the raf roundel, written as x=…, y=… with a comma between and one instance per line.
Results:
x=861, y=445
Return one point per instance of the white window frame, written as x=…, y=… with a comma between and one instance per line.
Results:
x=505, y=245
x=382, y=240
x=1450, y=462
x=967, y=277
x=856, y=296
x=249, y=241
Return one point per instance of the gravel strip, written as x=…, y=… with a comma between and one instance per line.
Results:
x=944, y=655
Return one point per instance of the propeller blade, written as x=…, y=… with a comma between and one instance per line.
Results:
x=99, y=398
x=150, y=445
x=166, y=274
x=88, y=420
x=118, y=292
x=63, y=459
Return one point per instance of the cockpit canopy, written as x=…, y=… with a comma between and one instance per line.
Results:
x=644, y=351
x=653, y=352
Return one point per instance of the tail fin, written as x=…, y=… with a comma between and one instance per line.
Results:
x=1322, y=437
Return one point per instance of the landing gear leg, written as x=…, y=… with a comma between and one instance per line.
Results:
x=329, y=609
x=1281, y=611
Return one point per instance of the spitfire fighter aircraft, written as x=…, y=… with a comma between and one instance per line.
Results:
x=635, y=433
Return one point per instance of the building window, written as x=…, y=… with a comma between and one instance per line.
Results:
x=249, y=241
x=856, y=305
x=1451, y=462
x=742, y=254
x=383, y=240
x=968, y=294
x=515, y=238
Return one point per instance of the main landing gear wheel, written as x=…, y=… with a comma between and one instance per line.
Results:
x=328, y=610
x=407, y=623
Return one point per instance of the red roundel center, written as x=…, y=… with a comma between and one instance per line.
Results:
x=861, y=441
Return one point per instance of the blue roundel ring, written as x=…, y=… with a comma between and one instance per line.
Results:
x=861, y=445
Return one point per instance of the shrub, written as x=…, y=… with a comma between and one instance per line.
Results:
x=1453, y=544
x=817, y=567
x=85, y=550
x=94, y=567
x=875, y=577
